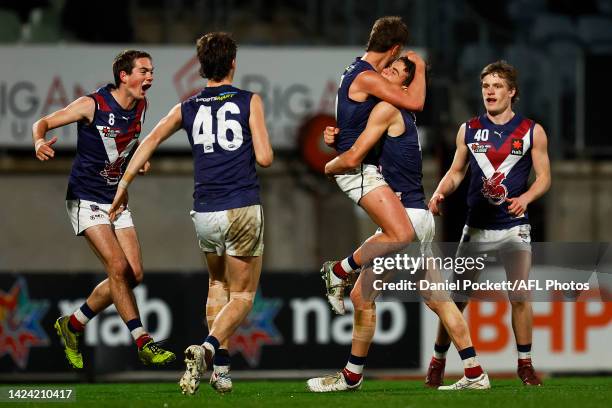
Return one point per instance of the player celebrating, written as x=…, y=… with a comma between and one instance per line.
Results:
x=361, y=87
x=109, y=122
x=500, y=148
x=401, y=165
x=227, y=132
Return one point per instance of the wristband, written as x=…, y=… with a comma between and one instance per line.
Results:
x=38, y=143
x=123, y=184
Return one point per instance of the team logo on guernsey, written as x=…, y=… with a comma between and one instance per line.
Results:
x=106, y=131
x=480, y=148
x=517, y=147
x=257, y=330
x=20, y=323
x=493, y=189
x=112, y=171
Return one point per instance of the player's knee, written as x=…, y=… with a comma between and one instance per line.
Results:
x=246, y=298
x=119, y=269
x=519, y=304
x=434, y=305
x=136, y=277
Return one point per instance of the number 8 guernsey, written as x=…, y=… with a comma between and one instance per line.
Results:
x=217, y=123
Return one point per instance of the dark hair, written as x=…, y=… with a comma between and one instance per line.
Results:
x=216, y=51
x=387, y=32
x=125, y=62
x=506, y=71
x=409, y=68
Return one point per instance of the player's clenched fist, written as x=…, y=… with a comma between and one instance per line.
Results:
x=329, y=135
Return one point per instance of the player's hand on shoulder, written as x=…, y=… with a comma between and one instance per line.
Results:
x=329, y=135
x=517, y=206
x=414, y=57
x=43, y=149
x=145, y=169
x=435, y=204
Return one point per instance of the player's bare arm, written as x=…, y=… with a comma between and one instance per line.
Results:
x=261, y=141
x=411, y=98
x=541, y=167
x=163, y=130
x=81, y=109
x=382, y=117
x=453, y=176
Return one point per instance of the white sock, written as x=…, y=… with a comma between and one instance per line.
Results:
x=524, y=355
x=471, y=362
x=137, y=332
x=81, y=317
x=354, y=368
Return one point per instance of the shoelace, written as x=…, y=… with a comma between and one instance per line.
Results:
x=155, y=346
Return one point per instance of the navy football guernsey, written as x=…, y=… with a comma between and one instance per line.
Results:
x=217, y=123
x=351, y=116
x=401, y=164
x=500, y=163
x=103, y=148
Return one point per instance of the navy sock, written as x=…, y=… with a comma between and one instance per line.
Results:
x=467, y=352
x=352, y=262
x=222, y=358
x=86, y=310
x=212, y=340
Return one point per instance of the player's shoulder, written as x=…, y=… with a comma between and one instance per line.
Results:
x=473, y=123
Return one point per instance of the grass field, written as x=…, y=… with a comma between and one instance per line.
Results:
x=561, y=392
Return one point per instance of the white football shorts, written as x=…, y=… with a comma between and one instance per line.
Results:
x=236, y=232
x=360, y=181
x=84, y=214
x=517, y=238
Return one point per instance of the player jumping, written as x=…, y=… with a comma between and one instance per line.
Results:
x=108, y=122
x=227, y=132
x=401, y=164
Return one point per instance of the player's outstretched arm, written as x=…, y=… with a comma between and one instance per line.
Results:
x=81, y=109
x=163, y=130
x=541, y=165
x=261, y=141
x=411, y=98
x=378, y=122
x=453, y=176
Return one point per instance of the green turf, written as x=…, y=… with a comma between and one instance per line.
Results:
x=557, y=393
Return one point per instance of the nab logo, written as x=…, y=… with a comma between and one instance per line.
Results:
x=257, y=330
x=517, y=147
x=20, y=323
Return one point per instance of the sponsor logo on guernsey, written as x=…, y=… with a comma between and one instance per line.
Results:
x=219, y=98
x=480, y=148
x=493, y=189
x=517, y=147
x=106, y=131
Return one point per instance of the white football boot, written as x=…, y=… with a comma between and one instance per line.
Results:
x=220, y=379
x=331, y=383
x=197, y=360
x=479, y=383
x=334, y=287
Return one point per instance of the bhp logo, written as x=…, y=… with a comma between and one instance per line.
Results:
x=568, y=323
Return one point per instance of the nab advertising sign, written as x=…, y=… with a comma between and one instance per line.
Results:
x=291, y=325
